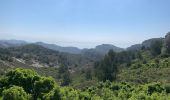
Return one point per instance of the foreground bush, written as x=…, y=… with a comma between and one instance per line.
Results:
x=15, y=93
x=26, y=84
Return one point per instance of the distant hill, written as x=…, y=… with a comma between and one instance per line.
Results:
x=100, y=50
x=33, y=54
x=104, y=48
x=12, y=43
x=144, y=44
x=134, y=47
x=147, y=43
x=72, y=50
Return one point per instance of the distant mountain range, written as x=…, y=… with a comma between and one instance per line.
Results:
x=100, y=49
x=73, y=50
x=12, y=43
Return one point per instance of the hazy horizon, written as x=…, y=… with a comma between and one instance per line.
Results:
x=84, y=23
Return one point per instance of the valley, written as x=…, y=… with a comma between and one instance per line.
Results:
x=139, y=64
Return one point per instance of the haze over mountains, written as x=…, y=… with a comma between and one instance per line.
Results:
x=12, y=43
x=98, y=50
x=101, y=49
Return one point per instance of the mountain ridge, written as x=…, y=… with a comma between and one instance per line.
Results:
x=102, y=49
x=12, y=43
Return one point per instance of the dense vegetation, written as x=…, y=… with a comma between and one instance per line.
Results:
x=26, y=84
x=152, y=58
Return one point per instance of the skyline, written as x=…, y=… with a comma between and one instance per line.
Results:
x=58, y=44
x=84, y=23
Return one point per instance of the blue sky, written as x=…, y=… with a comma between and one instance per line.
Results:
x=84, y=23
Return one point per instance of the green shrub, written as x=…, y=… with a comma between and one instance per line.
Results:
x=15, y=93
